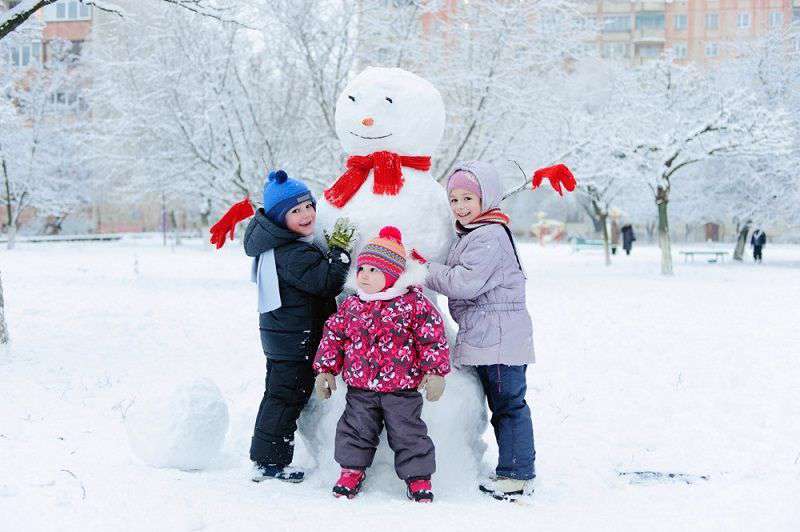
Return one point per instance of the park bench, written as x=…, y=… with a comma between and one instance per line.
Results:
x=64, y=238
x=718, y=256
x=579, y=243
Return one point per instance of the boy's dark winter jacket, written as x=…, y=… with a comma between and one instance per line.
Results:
x=308, y=279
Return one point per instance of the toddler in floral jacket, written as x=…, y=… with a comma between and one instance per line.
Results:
x=388, y=341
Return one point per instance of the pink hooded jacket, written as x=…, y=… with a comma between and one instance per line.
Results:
x=384, y=345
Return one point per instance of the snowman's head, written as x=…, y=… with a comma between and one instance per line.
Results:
x=389, y=109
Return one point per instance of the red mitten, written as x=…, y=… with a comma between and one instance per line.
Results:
x=558, y=175
x=417, y=257
x=226, y=225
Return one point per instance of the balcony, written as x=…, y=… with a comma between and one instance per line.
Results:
x=649, y=35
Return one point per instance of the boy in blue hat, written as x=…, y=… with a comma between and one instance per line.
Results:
x=297, y=283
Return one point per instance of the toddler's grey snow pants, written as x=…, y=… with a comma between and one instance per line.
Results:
x=359, y=429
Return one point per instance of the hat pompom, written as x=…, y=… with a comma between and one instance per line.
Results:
x=392, y=233
x=277, y=176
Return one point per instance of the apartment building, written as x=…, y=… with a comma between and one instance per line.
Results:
x=67, y=20
x=695, y=30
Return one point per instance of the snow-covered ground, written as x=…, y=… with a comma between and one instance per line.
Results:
x=694, y=374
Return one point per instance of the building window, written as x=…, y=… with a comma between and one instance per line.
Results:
x=680, y=50
x=67, y=10
x=681, y=22
x=743, y=20
x=75, y=49
x=775, y=19
x=616, y=23
x=712, y=21
x=796, y=15
x=615, y=50
x=652, y=20
x=712, y=49
x=26, y=54
x=65, y=99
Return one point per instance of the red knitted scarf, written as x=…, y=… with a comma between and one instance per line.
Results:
x=388, y=175
x=492, y=216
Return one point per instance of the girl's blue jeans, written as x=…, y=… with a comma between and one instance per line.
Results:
x=505, y=389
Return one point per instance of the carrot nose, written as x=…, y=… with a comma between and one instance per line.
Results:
x=368, y=122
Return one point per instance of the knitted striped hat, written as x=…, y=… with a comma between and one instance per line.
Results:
x=385, y=253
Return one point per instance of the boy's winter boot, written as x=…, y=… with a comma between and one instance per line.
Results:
x=284, y=473
x=349, y=483
x=507, y=489
x=419, y=490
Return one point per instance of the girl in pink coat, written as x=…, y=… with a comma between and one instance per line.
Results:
x=388, y=342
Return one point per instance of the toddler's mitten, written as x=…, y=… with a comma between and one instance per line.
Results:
x=433, y=385
x=324, y=384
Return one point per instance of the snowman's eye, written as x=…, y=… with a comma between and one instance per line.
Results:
x=353, y=98
x=389, y=100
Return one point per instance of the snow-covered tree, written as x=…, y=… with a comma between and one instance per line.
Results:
x=41, y=142
x=24, y=10
x=679, y=117
x=496, y=63
x=201, y=110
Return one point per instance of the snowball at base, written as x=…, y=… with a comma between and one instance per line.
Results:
x=183, y=428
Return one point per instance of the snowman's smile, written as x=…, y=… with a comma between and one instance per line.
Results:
x=370, y=138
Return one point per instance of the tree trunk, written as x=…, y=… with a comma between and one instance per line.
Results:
x=175, y=230
x=650, y=227
x=662, y=200
x=12, y=236
x=741, y=243
x=3, y=326
x=604, y=225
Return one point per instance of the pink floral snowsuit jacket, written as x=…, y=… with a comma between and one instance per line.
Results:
x=384, y=346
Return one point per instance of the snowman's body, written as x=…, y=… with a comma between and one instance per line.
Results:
x=420, y=210
x=393, y=110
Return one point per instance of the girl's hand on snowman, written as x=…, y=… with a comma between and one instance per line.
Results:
x=324, y=385
x=417, y=257
x=433, y=386
x=344, y=235
x=558, y=175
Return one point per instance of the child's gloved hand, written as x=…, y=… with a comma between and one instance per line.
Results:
x=433, y=385
x=324, y=384
x=344, y=235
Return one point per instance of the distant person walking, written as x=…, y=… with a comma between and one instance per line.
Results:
x=758, y=241
x=628, y=238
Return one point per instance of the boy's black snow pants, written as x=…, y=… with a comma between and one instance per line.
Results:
x=287, y=388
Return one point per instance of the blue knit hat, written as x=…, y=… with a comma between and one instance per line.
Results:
x=282, y=194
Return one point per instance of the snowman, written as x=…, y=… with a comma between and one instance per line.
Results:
x=390, y=122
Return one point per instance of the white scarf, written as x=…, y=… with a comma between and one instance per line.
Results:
x=414, y=275
x=264, y=273
x=384, y=295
